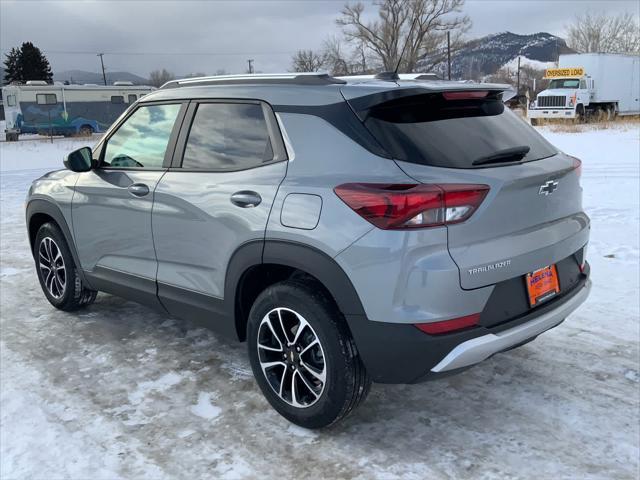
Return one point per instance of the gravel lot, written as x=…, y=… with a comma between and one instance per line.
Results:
x=117, y=391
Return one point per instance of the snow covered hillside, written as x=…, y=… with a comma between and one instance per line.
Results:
x=484, y=56
x=118, y=391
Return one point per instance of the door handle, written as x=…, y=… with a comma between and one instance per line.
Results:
x=138, y=189
x=246, y=199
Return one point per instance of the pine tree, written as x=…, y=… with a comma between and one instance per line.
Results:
x=27, y=63
x=11, y=71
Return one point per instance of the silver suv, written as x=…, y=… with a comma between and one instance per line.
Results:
x=350, y=231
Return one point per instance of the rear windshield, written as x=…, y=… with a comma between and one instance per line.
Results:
x=431, y=130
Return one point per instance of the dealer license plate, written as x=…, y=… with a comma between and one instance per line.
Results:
x=542, y=285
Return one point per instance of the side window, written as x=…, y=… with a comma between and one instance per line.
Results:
x=228, y=136
x=46, y=98
x=11, y=100
x=132, y=98
x=583, y=85
x=117, y=99
x=141, y=141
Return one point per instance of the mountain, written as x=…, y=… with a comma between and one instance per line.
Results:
x=80, y=76
x=486, y=55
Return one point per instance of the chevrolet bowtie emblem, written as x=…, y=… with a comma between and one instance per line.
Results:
x=548, y=188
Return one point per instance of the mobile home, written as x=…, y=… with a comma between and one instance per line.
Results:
x=65, y=109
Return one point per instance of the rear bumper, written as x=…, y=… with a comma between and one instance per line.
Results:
x=480, y=348
x=397, y=353
x=551, y=112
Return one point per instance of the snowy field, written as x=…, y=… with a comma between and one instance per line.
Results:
x=117, y=391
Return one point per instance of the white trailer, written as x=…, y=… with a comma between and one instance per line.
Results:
x=37, y=107
x=585, y=84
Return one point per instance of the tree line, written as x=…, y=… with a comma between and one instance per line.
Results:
x=422, y=25
x=417, y=29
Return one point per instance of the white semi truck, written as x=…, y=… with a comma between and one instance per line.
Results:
x=588, y=84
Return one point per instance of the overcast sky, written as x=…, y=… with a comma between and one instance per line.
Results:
x=206, y=36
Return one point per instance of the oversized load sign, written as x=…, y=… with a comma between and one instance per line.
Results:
x=563, y=72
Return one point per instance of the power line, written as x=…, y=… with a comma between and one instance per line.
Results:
x=182, y=54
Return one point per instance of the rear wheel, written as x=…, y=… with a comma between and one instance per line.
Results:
x=303, y=356
x=57, y=272
x=86, y=131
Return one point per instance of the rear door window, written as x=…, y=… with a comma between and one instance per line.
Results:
x=456, y=133
x=228, y=136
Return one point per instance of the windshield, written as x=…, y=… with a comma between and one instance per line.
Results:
x=564, y=83
x=430, y=130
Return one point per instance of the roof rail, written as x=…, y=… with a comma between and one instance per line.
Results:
x=257, y=79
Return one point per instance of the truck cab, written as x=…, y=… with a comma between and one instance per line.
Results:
x=569, y=95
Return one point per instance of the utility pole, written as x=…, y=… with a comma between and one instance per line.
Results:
x=449, y=53
x=104, y=77
x=250, y=61
x=518, y=87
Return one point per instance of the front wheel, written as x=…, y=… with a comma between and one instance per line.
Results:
x=57, y=272
x=303, y=357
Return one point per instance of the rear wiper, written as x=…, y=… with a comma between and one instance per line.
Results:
x=507, y=155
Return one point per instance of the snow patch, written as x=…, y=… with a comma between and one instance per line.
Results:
x=162, y=384
x=512, y=65
x=204, y=408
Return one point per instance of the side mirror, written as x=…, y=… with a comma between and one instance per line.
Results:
x=79, y=160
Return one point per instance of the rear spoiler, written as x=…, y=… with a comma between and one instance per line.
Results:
x=362, y=103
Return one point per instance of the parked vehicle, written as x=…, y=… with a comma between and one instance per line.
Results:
x=386, y=231
x=590, y=84
x=38, y=107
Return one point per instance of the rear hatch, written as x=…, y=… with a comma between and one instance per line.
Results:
x=532, y=216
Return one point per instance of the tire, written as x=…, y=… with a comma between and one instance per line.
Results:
x=85, y=131
x=64, y=289
x=334, y=357
x=534, y=122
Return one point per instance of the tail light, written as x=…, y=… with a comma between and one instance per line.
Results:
x=582, y=259
x=449, y=326
x=577, y=166
x=406, y=206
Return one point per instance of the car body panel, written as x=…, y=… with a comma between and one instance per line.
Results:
x=196, y=228
x=112, y=227
x=517, y=228
x=319, y=163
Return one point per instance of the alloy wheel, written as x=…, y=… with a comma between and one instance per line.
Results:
x=291, y=357
x=52, y=267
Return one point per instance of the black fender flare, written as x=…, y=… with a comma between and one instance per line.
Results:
x=296, y=255
x=50, y=209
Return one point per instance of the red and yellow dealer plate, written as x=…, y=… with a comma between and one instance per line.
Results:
x=542, y=284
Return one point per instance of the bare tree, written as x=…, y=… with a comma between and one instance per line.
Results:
x=336, y=59
x=385, y=37
x=307, y=61
x=157, y=78
x=599, y=32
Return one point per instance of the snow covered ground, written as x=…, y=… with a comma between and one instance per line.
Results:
x=117, y=391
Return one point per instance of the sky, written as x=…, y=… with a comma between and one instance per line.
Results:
x=207, y=36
